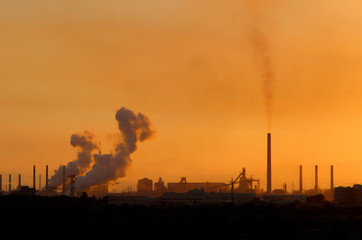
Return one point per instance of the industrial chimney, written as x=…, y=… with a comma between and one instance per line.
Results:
x=332, y=182
x=39, y=182
x=9, y=182
x=34, y=177
x=19, y=185
x=316, y=177
x=63, y=180
x=269, y=184
x=300, y=179
x=46, y=177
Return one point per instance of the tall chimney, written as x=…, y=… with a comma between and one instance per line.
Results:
x=269, y=183
x=63, y=179
x=316, y=177
x=34, y=177
x=19, y=185
x=9, y=182
x=332, y=182
x=46, y=176
x=300, y=179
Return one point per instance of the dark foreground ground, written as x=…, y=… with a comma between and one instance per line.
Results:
x=88, y=218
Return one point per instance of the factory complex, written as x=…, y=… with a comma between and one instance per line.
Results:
x=240, y=190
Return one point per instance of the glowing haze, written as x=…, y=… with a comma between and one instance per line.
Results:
x=262, y=54
x=196, y=68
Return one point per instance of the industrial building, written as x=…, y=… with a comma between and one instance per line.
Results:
x=145, y=185
x=183, y=186
x=193, y=197
x=237, y=190
x=197, y=196
x=283, y=198
x=159, y=187
x=348, y=195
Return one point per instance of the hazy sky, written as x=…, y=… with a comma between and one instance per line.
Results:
x=192, y=68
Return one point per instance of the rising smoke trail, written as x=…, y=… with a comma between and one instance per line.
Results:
x=110, y=167
x=86, y=142
x=261, y=44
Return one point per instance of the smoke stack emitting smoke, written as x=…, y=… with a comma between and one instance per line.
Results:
x=262, y=54
x=99, y=169
x=86, y=142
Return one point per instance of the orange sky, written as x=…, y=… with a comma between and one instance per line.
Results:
x=67, y=66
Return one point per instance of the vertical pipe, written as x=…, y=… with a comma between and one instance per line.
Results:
x=269, y=184
x=285, y=188
x=316, y=177
x=232, y=190
x=19, y=185
x=9, y=182
x=63, y=179
x=332, y=182
x=46, y=176
x=1, y=183
x=300, y=179
x=34, y=177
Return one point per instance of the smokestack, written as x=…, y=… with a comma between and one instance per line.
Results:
x=63, y=179
x=46, y=177
x=269, y=184
x=300, y=179
x=316, y=177
x=134, y=128
x=19, y=185
x=34, y=177
x=332, y=182
x=9, y=182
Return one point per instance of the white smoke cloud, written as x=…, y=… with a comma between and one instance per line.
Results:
x=86, y=142
x=101, y=169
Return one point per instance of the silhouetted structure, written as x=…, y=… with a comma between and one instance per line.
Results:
x=159, y=187
x=300, y=179
x=34, y=176
x=184, y=186
x=316, y=177
x=269, y=177
x=349, y=195
x=332, y=182
x=145, y=185
x=9, y=182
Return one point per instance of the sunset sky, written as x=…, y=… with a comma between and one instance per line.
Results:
x=192, y=68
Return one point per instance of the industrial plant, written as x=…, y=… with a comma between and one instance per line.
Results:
x=237, y=208
x=239, y=190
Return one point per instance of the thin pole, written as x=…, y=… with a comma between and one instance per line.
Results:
x=232, y=190
x=19, y=182
x=269, y=179
x=46, y=176
x=9, y=182
x=332, y=182
x=34, y=177
x=63, y=179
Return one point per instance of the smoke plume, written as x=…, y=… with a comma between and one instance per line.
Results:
x=261, y=44
x=101, y=169
x=109, y=167
x=86, y=142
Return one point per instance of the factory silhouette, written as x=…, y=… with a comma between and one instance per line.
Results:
x=239, y=190
x=239, y=209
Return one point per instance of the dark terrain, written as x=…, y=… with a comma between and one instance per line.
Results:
x=66, y=217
